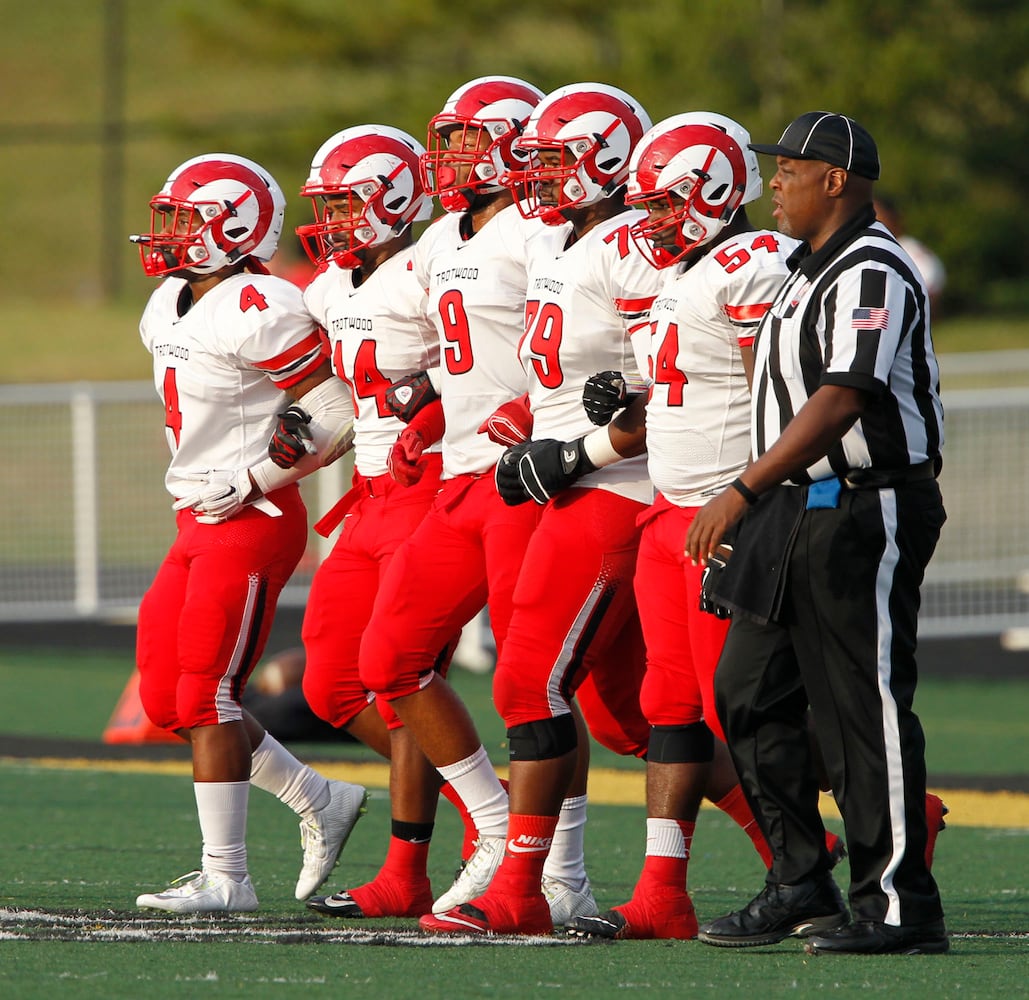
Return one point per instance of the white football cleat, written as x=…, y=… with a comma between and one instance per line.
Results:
x=475, y=876
x=567, y=902
x=323, y=834
x=203, y=892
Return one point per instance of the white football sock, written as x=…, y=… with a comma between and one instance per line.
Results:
x=566, y=860
x=274, y=769
x=665, y=838
x=222, y=810
x=476, y=782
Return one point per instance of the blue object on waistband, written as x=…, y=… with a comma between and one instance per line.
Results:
x=825, y=493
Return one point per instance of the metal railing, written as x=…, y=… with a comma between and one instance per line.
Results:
x=85, y=519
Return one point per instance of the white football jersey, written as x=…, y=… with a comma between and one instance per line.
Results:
x=222, y=366
x=698, y=415
x=378, y=332
x=476, y=293
x=585, y=305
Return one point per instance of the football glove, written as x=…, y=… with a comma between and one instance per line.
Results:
x=220, y=495
x=604, y=395
x=291, y=439
x=404, y=461
x=713, y=570
x=510, y=423
x=509, y=484
x=408, y=395
x=547, y=467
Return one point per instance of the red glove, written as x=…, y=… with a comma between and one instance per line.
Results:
x=426, y=427
x=404, y=460
x=510, y=423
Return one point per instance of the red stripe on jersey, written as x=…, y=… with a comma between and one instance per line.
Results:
x=310, y=343
x=298, y=376
x=296, y=363
x=634, y=307
x=747, y=314
x=746, y=341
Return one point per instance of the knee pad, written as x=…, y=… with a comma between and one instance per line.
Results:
x=544, y=739
x=692, y=744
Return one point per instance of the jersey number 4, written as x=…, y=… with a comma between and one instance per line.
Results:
x=665, y=370
x=172, y=413
x=369, y=382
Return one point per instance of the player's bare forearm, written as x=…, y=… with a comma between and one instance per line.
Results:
x=818, y=425
x=628, y=430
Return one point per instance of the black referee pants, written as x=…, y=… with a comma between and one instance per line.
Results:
x=845, y=645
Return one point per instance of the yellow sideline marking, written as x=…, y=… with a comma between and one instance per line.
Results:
x=607, y=787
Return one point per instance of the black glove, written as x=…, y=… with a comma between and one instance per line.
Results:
x=604, y=395
x=716, y=564
x=291, y=440
x=549, y=466
x=509, y=485
x=408, y=395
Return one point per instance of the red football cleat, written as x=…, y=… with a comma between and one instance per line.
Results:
x=662, y=917
x=514, y=915
x=382, y=897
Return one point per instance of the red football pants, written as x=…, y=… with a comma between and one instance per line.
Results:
x=574, y=628
x=467, y=550
x=683, y=642
x=383, y=514
x=204, y=621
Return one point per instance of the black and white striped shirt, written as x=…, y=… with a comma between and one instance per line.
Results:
x=852, y=314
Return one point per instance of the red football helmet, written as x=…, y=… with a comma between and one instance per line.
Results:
x=690, y=172
x=470, y=140
x=375, y=167
x=214, y=210
x=595, y=127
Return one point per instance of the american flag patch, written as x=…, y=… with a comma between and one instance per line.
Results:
x=870, y=319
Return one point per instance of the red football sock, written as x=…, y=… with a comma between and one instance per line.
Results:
x=935, y=810
x=470, y=833
x=528, y=843
x=401, y=888
x=735, y=806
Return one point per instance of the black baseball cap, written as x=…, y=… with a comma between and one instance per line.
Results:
x=832, y=138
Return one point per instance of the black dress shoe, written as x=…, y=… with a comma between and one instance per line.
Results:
x=865, y=937
x=778, y=912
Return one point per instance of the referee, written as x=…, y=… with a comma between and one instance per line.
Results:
x=843, y=513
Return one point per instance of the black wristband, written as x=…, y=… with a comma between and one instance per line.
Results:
x=744, y=491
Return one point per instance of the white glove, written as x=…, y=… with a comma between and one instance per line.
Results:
x=221, y=494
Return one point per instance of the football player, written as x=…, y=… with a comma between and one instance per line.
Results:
x=574, y=633
x=692, y=174
x=232, y=346
x=469, y=546
x=367, y=193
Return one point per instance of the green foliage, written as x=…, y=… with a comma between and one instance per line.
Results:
x=943, y=85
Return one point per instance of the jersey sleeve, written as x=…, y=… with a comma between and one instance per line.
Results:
x=274, y=332
x=746, y=296
x=633, y=284
x=864, y=325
